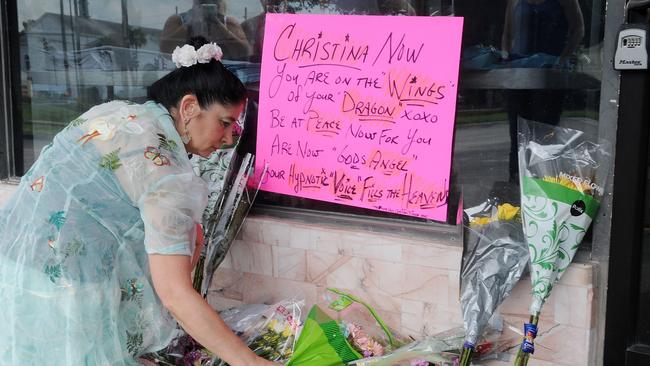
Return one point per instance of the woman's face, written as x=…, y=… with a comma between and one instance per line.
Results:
x=212, y=128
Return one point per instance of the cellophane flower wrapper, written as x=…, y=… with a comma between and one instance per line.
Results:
x=562, y=179
x=182, y=351
x=359, y=321
x=269, y=331
x=440, y=349
x=496, y=255
x=230, y=211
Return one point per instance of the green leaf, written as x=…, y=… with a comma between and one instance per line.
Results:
x=543, y=253
x=166, y=144
x=132, y=291
x=75, y=247
x=111, y=161
x=577, y=228
x=546, y=265
x=57, y=219
x=77, y=122
x=561, y=255
x=54, y=271
x=553, y=231
x=133, y=342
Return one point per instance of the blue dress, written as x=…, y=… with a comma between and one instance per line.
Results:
x=539, y=28
x=75, y=286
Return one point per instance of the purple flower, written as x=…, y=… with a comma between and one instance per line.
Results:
x=191, y=357
x=419, y=363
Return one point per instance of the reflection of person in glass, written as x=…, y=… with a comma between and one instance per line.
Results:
x=550, y=29
x=396, y=7
x=99, y=240
x=254, y=26
x=206, y=18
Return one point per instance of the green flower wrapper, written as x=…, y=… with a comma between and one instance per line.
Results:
x=332, y=333
x=562, y=175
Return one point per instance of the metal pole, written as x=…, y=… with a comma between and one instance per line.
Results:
x=65, y=47
x=75, y=45
x=125, y=24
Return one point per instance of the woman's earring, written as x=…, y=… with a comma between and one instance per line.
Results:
x=186, y=138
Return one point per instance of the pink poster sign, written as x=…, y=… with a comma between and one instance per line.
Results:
x=359, y=110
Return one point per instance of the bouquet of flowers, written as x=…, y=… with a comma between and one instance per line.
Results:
x=496, y=256
x=441, y=349
x=562, y=175
x=228, y=213
x=438, y=350
x=352, y=330
x=270, y=331
x=182, y=351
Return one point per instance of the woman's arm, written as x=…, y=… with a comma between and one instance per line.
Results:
x=232, y=36
x=576, y=27
x=506, y=37
x=171, y=279
x=174, y=33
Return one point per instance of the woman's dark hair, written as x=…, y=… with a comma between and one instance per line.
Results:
x=210, y=82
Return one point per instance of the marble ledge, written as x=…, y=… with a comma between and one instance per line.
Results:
x=299, y=234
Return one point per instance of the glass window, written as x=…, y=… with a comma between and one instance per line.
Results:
x=535, y=59
x=78, y=53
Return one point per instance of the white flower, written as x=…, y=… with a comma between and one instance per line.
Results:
x=184, y=56
x=101, y=129
x=208, y=52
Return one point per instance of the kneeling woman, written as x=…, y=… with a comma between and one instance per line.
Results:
x=96, y=244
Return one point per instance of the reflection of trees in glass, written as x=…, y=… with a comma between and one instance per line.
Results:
x=307, y=6
x=292, y=7
x=361, y=7
x=137, y=37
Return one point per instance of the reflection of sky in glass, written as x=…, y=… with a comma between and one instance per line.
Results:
x=144, y=13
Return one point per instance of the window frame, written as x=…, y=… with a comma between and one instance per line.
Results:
x=8, y=78
x=11, y=146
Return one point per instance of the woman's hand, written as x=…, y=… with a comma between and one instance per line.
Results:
x=172, y=282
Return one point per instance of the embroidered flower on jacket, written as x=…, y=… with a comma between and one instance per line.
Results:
x=98, y=129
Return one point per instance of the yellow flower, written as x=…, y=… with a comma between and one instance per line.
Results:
x=477, y=221
x=581, y=187
x=286, y=332
x=507, y=211
x=561, y=181
x=272, y=324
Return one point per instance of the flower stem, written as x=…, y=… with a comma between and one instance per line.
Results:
x=466, y=356
x=198, y=274
x=522, y=357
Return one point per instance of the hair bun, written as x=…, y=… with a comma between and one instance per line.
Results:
x=197, y=41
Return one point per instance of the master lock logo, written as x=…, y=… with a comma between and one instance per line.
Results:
x=630, y=62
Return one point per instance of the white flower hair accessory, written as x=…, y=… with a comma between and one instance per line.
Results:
x=187, y=55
